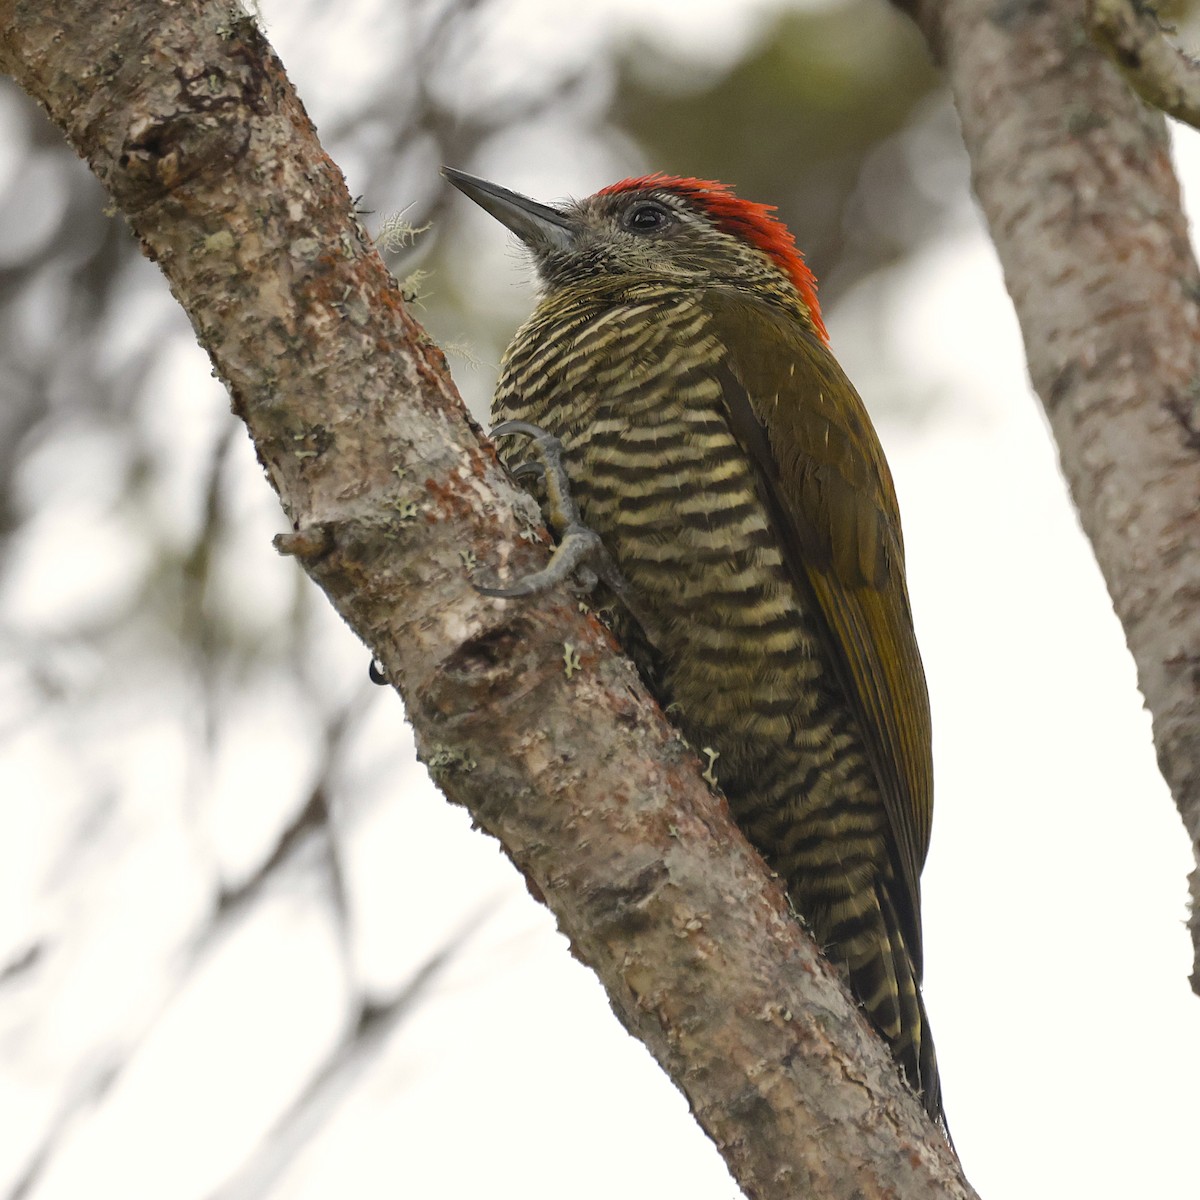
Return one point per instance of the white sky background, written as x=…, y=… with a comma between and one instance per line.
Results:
x=1054, y=896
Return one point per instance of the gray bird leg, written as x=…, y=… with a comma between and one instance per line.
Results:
x=578, y=546
x=579, y=552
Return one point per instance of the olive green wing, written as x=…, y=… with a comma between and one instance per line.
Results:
x=828, y=486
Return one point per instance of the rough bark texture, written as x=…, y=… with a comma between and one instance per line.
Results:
x=1074, y=175
x=1133, y=36
x=522, y=711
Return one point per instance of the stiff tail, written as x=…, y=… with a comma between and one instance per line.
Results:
x=869, y=942
x=913, y=1046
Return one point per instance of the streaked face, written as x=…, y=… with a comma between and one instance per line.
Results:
x=649, y=233
x=656, y=228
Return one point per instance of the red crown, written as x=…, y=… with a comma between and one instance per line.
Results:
x=742, y=218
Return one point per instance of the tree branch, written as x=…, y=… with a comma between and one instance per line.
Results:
x=1134, y=38
x=1074, y=175
x=186, y=116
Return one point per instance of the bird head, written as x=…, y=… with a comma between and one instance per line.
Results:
x=692, y=232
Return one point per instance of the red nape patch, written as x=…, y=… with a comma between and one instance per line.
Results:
x=742, y=218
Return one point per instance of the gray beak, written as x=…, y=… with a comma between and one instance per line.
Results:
x=539, y=226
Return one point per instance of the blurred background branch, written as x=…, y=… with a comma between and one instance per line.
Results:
x=1097, y=256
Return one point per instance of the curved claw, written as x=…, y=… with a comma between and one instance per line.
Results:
x=509, y=428
x=579, y=544
x=529, y=470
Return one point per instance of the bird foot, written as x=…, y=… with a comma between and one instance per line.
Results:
x=580, y=553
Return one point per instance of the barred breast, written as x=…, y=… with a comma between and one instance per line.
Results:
x=658, y=474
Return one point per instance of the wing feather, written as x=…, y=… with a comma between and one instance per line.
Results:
x=831, y=495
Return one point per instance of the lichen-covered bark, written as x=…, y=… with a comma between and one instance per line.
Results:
x=1074, y=175
x=522, y=711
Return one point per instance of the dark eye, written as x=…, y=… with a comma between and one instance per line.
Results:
x=646, y=217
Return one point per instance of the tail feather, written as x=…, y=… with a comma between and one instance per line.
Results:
x=913, y=1047
x=868, y=940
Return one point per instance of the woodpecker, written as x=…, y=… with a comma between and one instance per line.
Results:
x=724, y=460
